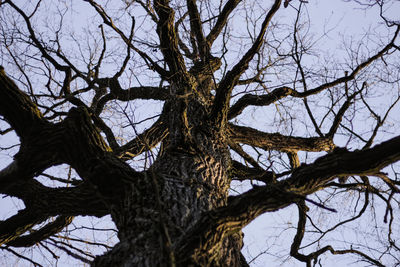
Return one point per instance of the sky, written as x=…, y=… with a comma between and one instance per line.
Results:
x=336, y=21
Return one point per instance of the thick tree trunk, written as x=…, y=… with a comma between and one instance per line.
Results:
x=188, y=179
x=149, y=230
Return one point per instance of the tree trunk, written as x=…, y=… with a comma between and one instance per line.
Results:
x=187, y=179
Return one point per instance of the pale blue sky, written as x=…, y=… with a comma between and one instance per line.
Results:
x=340, y=22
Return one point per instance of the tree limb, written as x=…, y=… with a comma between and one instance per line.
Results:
x=196, y=28
x=305, y=180
x=18, y=224
x=281, y=92
x=43, y=233
x=109, y=22
x=241, y=172
x=144, y=141
x=221, y=21
x=277, y=141
x=81, y=200
x=16, y=107
x=169, y=41
x=223, y=92
x=260, y=100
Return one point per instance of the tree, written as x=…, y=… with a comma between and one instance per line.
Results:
x=72, y=98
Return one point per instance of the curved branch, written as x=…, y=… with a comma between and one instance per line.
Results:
x=45, y=232
x=221, y=21
x=277, y=141
x=109, y=22
x=241, y=172
x=16, y=107
x=340, y=114
x=239, y=150
x=260, y=100
x=44, y=51
x=142, y=92
x=169, y=40
x=18, y=224
x=32, y=159
x=144, y=141
x=310, y=178
x=197, y=28
x=81, y=200
x=360, y=67
x=281, y=92
x=223, y=92
x=185, y=49
x=35, y=40
x=301, y=227
x=215, y=225
x=91, y=157
x=75, y=141
x=305, y=180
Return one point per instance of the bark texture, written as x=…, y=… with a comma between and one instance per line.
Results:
x=176, y=211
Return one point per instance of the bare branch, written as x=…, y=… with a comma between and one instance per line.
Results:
x=144, y=141
x=17, y=108
x=43, y=233
x=109, y=22
x=221, y=21
x=305, y=180
x=169, y=40
x=57, y=201
x=197, y=28
x=18, y=224
x=223, y=94
x=260, y=100
x=276, y=141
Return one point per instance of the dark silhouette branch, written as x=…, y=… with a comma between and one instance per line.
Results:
x=43, y=233
x=221, y=21
x=277, y=141
x=281, y=92
x=241, y=172
x=18, y=224
x=16, y=107
x=305, y=180
x=197, y=29
x=224, y=90
x=260, y=100
x=169, y=41
x=109, y=22
x=68, y=201
x=144, y=141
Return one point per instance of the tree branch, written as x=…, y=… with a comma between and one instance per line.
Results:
x=260, y=100
x=18, y=224
x=16, y=107
x=241, y=172
x=169, y=40
x=340, y=114
x=75, y=141
x=81, y=200
x=281, y=92
x=43, y=233
x=197, y=29
x=116, y=92
x=305, y=180
x=223, y=92
x=353, y=74
x=109, y=22
x=144, y=141
x=221, y=21
x=277, y=141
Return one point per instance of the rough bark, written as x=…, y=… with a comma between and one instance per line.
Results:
x=176, y=212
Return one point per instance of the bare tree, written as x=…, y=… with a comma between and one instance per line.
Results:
x=154, y=112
